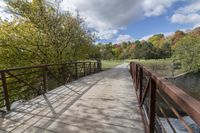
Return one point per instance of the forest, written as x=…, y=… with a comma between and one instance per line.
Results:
x=183, y=47
x=41, y=33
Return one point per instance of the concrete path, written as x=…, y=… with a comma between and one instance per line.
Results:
x=103, y=102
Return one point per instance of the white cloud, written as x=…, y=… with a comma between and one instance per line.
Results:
x=3, y=15
x=109, y=16
x=124, y=38
x=188, y=14
x=156, y=7
x=192, y=8
x=146, y=37
x=150, y=35
x=2, y=4
x=104, y=14
x=186, y=18
x=107, y=34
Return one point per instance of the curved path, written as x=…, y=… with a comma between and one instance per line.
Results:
x=104, y=102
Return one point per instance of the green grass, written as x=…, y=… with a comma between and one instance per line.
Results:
x=107, y=64
x=161, y=66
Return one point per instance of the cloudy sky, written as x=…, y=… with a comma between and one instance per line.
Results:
x=124, y=20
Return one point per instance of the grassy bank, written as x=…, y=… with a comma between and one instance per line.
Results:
x=160, y=66
x=163, y=67
x=107, y=64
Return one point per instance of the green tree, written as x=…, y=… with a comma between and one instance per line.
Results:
x=157, y=40
x=188, y=52
x=106, y=51
x=165, y=50
x=146, y=50
x=42, y=33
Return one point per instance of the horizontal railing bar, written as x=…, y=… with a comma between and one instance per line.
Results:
x=168, y=121
x=180, y=118
x=186, y=102
x=157, y=118
x=37, y=66
x=24, y=74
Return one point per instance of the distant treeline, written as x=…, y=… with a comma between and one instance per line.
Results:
x=40, y=33
x=181, y=46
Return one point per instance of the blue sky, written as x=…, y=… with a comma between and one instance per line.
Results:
x=127, y=20
x=156, y=24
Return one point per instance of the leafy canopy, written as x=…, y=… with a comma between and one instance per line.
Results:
x=42, y=33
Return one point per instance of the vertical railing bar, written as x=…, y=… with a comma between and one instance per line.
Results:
x=44, y=70
x=141, y=84
x=152, y=106
x=90, y=68
x=162, y=127
x=76, y=70
x=5, y=91
x=93, y=67
x=99, y=65
x=168, y=121
x=84, y=70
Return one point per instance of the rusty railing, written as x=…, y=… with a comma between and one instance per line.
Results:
x=24, y=83
x=164, y=106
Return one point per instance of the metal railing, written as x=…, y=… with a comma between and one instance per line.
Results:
x=164, y=105
x=24, y=83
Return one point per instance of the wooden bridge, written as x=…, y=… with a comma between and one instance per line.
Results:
x=65, y=98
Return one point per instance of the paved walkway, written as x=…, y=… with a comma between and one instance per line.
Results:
x=104, y=102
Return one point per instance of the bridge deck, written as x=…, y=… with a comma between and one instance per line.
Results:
x=103, y=102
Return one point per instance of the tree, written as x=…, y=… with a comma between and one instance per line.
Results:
x=42, y=33
x=106, y=51
x=188, y=52
x=145, y=50
x=157, y=40
x=165, y=50
x=94, y=53
x=177, y=36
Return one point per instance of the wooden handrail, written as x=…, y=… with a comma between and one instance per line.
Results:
x=184, y=101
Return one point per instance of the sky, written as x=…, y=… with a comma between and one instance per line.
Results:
x=129, y=20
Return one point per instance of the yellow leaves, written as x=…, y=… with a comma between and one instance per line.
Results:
x=157, y=40
x=41, y=34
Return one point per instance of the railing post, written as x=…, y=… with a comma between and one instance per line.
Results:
x=136, y=76
x=84, y=69
x=5, y=91
x=90, y=68
x=140, y=83
x=76, y=70
x=95, y=67
x=99, y=67
x=44, y=74
x=152, y=104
